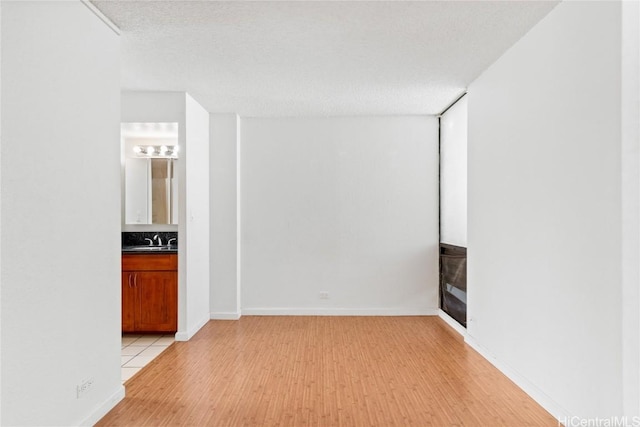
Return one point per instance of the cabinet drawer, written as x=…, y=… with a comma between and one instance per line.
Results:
x=150, y=262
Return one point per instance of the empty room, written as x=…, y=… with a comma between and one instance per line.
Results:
x=327, y=213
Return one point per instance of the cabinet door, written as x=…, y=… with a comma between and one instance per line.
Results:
x=128, y=302
x=157, y=301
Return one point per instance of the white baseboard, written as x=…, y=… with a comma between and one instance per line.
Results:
x=527, y=386
x=339, y=312
x=187, y=335
x=225, y=315
x=104, y=408
x=452, y=322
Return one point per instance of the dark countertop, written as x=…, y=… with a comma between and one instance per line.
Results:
x=140, y=249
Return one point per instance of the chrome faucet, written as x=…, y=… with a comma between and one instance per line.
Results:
x=150, y=241
x=171, y=240
x=156, y=237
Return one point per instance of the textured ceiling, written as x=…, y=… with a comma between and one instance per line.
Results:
x=316, y=58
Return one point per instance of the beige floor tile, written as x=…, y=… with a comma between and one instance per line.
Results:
x=139, y=362
x=133, y=350
x=129, y=339
x=138, y=350
x=128, y=373
x=164, y=341
x=153, y=351
x=146, y=340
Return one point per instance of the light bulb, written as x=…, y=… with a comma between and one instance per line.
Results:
x=150, y=150
x=163, y=149
x=137, y=149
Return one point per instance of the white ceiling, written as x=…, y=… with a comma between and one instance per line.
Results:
x=316, y=58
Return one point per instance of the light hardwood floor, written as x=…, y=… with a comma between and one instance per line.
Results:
x=324, y=371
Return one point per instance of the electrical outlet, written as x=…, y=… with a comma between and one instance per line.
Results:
x=84, y=387
x=324, y=295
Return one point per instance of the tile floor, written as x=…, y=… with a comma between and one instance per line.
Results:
x=138, y=350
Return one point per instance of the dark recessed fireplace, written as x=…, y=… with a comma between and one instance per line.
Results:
x=453, y=282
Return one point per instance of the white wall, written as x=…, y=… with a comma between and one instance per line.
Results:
x=0, y=210
x=453, y=175
x=347, y=206
x=631, y=207
x=152, y=107
x=196, y=217
x=225, y=301
x=136, y=191
x=60, y=213
x=544, y=247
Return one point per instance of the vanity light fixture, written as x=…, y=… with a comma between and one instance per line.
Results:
x=156, y=151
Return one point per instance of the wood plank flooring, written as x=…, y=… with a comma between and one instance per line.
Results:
x=324, y=371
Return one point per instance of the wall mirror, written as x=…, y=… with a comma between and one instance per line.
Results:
x=150, y=153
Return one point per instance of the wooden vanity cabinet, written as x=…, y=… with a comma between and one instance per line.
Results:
x=149, y=293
